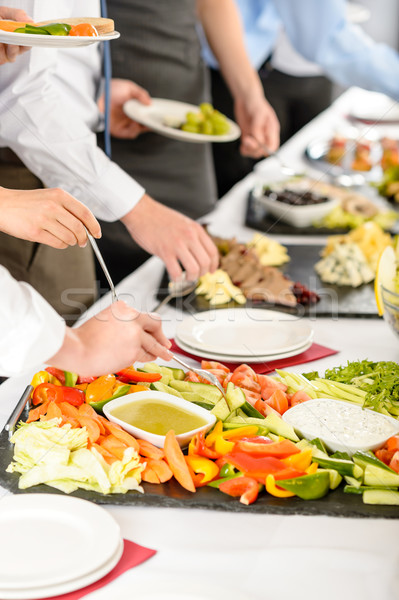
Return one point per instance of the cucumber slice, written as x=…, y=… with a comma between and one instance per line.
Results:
x=251, y=411
x=166, y=372
x=352, y=482
x=159, y=386
x=204, y=405
x=193, y=397
x=210, y=392
x=280, y=427
x=375, y=476
x=221, y=410
x=381, y=497
x=335, y=477
x=235, y=397
x=353, y=489
x=366, y=458
x=344, y=467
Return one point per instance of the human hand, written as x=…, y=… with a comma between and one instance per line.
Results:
x=10, y=52
x=173, y=237
x=259, y=126
x=51, y=217
x=110, y=341
x=123, y=90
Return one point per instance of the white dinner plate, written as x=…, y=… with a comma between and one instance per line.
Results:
x=154, y=115
x=67, y=586
x=54, y=41
x=376, y=108
x=246, y=358
x=245, y=331
x=51, y=539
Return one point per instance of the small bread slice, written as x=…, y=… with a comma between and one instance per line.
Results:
x=102, y=25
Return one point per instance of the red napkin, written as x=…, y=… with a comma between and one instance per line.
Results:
x=315, y=352
x=133, y=555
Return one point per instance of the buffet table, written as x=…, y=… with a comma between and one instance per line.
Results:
x=207, y=554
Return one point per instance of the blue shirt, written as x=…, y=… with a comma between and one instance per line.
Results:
x=321, y=33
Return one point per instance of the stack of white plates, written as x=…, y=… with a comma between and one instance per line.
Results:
x=244, y=335
x=53, y=544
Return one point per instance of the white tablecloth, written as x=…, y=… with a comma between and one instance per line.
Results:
x=220, y=554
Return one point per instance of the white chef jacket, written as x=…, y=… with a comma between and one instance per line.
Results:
x=31, y=331
x=48, y=115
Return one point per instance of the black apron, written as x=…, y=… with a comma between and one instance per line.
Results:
x=159, y=49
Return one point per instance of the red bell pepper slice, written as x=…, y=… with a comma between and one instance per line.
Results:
x=198, y=447
x=261, y=446
x=58, y=373
x=130, y=375
x=245, y=487
x=73, y=396
x=47, y=392
x=82, y=379
x=257, y=467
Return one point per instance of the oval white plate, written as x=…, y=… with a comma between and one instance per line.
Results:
x=245, y=331
x=54, y=41
x=66, y=586
x=153, y=116
x=51, y=539
x=250, y=358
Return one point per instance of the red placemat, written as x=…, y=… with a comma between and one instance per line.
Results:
x=133, y=555
x=315, y=352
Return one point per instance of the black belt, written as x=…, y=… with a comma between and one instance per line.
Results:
x=266, y=68
x=8, y=157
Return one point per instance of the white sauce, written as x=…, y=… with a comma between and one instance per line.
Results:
x=341, y=422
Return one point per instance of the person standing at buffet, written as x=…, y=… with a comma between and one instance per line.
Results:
x=31, y=331
x=159, y=49
x=48, y=116
x=321, y=33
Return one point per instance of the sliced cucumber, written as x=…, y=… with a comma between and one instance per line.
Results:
x=221, y=410
x=352, y=482
x=210, y=392
x=352, y=489
x=235, y=397
x=280, y=427
x=381, y=497
x=204, y=405
x=194, y=397
x=344, y=467
x=367, y=458
x=251, y=411
x=376, y=476
x=335, y=477
x=159, y=386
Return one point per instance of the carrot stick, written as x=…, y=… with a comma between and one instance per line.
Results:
x=161, y=469
x=149, y=450
x=53, y=412
x=176, y=461
x=93, y=430
x=149, y=475
x=114, y=446
x=122, y=435
x=38, y=411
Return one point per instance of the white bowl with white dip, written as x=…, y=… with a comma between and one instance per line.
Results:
x=342, y=426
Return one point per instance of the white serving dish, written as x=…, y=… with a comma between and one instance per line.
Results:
x=159, y=440
x=298, y=216
x=341, y=425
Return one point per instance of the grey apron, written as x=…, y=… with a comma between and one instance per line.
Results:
x=159, y=49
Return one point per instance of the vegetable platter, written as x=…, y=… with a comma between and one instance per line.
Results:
x=251, y=453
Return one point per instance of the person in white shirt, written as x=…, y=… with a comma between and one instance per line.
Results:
x=9, y=53
x=48, y=115
x=32, y=332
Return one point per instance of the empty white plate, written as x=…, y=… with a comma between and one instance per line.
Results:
x=49, y=539
x=54, y=41
x=154, y=115
x=67, y=586
x=249, y=358
x=244, y=332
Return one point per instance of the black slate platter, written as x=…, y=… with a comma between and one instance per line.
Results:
x=334, y=301
x=258, y=217
x=172, y=495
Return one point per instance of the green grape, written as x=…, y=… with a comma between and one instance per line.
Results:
x=207, y=127
x=221, y=128
x=206, y=108
x=190, y=128
x=194, y=118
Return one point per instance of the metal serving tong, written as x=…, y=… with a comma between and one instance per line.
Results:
x=17, y=412
x=101, y=261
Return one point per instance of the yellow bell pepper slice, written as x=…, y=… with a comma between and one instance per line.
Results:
x=100, y=389
x=312, y=468
x=245, y=431
x=223, y=446
x=216, y=432
x=274, y=490
x=40, y=377
x=299, y=461
x=204, y=466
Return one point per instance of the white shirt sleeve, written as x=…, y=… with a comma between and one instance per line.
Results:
x=31, y=331
x=44, y=117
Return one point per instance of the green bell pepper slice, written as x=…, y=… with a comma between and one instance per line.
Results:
x=307, y=487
